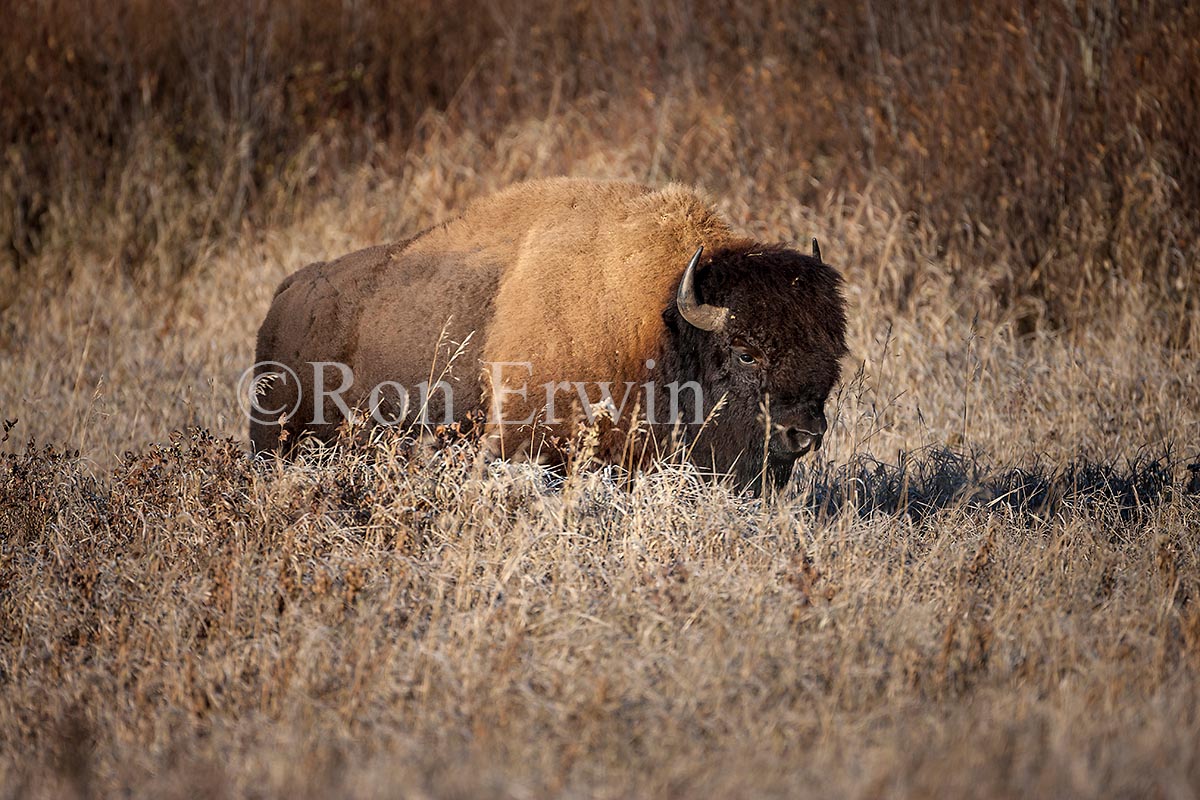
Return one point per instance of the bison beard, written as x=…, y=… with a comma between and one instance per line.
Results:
x=584, y=281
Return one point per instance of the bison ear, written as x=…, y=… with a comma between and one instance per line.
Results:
x=816, y=250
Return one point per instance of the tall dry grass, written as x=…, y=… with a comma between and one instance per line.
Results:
x=988, y=583
x=1054, y=141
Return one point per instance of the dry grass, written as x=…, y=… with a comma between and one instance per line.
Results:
x=989, y=584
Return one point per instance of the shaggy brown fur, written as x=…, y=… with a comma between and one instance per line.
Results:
x=577, y=279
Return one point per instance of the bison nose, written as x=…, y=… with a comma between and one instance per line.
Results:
x=803, y=435
x=799, y=440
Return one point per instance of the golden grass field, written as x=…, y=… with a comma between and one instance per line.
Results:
x=987, y=583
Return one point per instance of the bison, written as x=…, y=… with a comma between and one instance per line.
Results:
x=562, y=301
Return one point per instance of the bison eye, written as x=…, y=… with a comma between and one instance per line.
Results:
x=745, y=357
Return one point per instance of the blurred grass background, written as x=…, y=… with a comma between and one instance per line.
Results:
x=1056, y=140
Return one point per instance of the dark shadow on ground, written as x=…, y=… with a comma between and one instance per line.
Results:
x=926, y=481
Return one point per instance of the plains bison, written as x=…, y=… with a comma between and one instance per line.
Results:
x=563, y=301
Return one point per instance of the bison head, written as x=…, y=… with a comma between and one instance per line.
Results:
x=764, y=328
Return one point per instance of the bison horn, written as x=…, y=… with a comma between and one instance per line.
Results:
x=702, y=315
x=816, y=249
